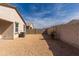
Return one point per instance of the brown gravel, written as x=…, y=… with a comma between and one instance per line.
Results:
x=32, y=45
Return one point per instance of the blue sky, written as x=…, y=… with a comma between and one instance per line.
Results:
x=46, y=15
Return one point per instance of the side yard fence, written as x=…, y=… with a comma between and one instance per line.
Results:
x=34, y=31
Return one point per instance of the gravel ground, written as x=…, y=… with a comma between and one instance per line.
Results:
x=31, y=45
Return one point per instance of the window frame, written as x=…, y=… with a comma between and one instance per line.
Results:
x=16, y=27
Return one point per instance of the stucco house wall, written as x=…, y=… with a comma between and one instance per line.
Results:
x=11, y=15
x=8, y=34
x=6, y=29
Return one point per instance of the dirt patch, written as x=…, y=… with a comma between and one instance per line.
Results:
x=30, y=45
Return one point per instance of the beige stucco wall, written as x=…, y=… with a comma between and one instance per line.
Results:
x=8, y=33
x=69, y=33
x=10, y=14
x=6, y=30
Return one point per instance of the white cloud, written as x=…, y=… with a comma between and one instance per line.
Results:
x=58, y=12
x=47, y=21
x=43, y=23
x=75, y=15
x=50, y=21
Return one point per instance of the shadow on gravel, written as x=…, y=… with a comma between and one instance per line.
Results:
x=60, y=48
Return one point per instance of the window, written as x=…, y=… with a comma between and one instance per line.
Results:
x=24, y=28
x=16, y=26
